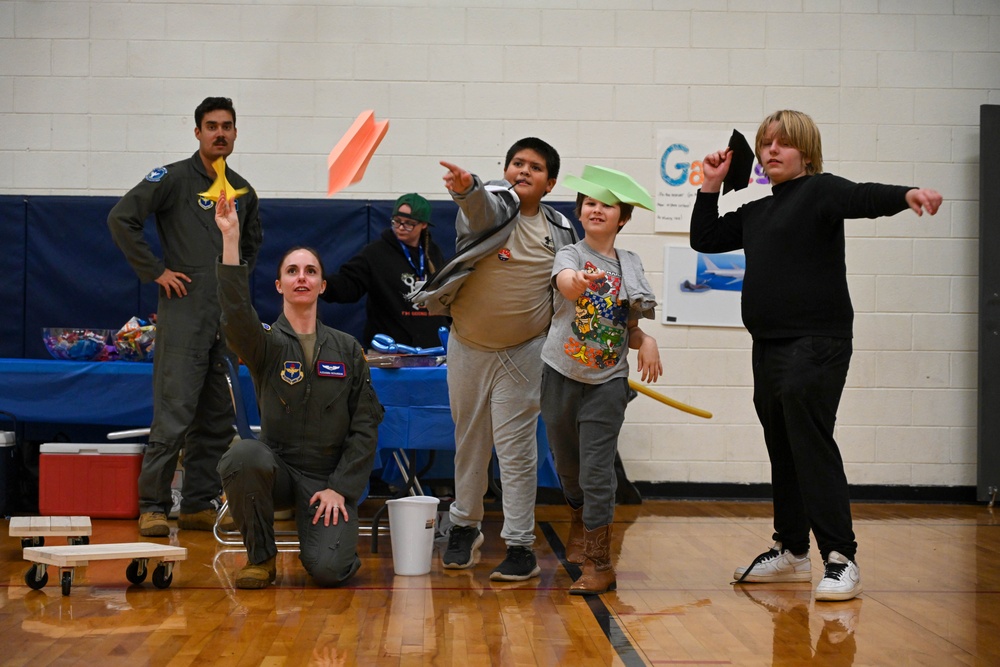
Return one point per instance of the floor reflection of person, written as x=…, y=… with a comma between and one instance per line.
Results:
x=792, y=639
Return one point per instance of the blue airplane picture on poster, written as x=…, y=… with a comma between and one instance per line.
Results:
x=723, y=271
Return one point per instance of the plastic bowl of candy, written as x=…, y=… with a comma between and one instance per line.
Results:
x=76, y=344
x=136, y=341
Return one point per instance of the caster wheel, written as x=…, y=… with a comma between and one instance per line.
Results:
x=67, y=582
x=160, y=577
x=33, y=580
x=84, y=540
x=32, y=542
x=136, y=572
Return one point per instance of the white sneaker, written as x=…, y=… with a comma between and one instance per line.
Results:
x=775, y=566
x=841, y=580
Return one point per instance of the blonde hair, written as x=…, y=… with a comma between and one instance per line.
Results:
x=799, y=130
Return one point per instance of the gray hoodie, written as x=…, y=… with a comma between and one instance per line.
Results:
x=487, y=215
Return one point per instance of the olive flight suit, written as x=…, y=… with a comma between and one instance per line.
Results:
x=319, y=430
x=192, y=408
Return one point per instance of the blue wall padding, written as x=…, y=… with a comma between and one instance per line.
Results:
x=61, y=267
x=12, y=261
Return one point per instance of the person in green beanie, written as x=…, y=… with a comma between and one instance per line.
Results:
x=388, y=269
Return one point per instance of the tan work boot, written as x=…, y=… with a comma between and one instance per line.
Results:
x=598, y=573
x=204, y=520
x=574, y=543
x=153, y=524
x=260, y=575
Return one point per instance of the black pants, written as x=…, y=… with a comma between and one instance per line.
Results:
x=798, y=383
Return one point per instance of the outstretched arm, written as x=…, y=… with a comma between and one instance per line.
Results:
x=571, y=284
x=456, y=179
x=920, y=200
x=229, y=224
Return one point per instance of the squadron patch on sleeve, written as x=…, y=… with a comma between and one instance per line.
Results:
x=331, y=369
x=156, y=175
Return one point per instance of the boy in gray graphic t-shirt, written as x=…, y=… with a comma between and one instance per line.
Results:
x=602, y=295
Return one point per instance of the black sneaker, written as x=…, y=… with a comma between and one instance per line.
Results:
x=463, y=547
x=519, y=565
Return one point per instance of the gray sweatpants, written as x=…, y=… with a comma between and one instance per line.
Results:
x=495, y=404
x=582, y=423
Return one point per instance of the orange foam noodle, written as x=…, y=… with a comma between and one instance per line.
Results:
x=350, y=157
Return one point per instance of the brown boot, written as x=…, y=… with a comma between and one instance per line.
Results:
x=574, y=543
x=598, y=573
x=205, y=520
x=153, y=524
x=260, y=575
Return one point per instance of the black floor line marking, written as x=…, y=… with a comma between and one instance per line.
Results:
x=605, y=619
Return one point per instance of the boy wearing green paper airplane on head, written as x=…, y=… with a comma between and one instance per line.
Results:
x=585, y=388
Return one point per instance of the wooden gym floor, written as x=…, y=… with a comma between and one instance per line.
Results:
x=931, y=576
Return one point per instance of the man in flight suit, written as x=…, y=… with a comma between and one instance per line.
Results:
x=192, y=408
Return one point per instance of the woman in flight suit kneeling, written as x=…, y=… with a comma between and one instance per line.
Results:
x=319, y=419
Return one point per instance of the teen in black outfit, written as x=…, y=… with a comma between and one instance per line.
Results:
x=797, y=308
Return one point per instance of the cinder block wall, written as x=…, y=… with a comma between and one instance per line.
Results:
x=94, y=94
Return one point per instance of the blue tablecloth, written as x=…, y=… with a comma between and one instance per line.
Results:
x=120, y=394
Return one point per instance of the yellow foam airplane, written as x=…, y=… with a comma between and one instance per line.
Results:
x=221, y=184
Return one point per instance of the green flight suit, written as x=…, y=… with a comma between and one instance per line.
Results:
x=192, y=408
x=319, y=430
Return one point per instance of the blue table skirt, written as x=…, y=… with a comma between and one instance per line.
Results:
x=120, y=395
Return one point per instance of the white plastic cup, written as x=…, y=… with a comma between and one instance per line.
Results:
x=411, y=531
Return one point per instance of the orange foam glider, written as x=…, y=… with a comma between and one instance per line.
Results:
x=350, y=157
x=221, y=184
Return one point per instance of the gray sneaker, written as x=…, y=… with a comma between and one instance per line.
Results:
x=463, y=547
x=519, y=565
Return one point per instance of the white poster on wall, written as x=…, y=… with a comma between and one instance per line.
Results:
x=679, y=175
x=700, y=289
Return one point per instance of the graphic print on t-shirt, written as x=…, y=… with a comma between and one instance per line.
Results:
x=599, y=324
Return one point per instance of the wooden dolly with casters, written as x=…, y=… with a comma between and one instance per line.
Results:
x=34, y=529
x=66, y=558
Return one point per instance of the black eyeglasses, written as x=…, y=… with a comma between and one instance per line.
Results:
x=404, y=224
